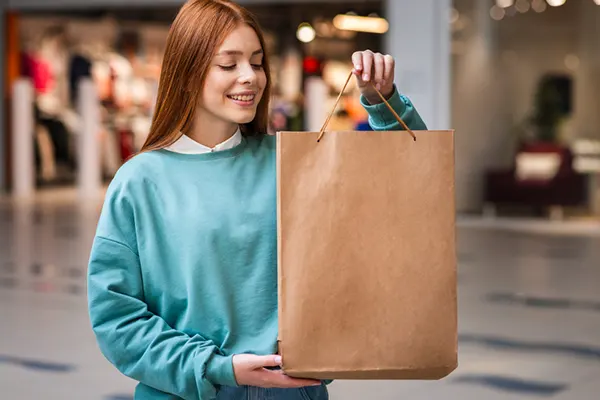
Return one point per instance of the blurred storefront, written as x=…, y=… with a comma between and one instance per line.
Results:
x=120, y=49
x=517, y=79
x=525, y=95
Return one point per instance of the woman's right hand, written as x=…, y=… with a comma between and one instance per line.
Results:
x=250, y=370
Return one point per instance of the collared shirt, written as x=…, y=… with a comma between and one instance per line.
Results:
x=187, y=145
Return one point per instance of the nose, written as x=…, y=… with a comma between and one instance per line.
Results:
x=247, y=75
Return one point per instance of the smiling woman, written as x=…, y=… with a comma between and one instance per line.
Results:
x=182, y=277
x=222, y=54
x=237, y=74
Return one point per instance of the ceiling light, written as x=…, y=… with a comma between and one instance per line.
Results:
x=505, y=3
x=556, y=3
x=305, y=33
x=357, y=23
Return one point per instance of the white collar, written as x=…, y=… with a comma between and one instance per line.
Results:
x=187, y=145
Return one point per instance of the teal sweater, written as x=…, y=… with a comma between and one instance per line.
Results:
x=182, y=271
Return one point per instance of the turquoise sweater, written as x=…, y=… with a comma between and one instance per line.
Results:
x=182, y=271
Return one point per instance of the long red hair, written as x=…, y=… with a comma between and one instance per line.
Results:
x=195, y=36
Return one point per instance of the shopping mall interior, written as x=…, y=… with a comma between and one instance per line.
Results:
x=517, y=81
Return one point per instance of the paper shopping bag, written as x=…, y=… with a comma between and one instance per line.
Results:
x=366, y=254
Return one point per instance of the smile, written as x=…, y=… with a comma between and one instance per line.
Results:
x=242, y=98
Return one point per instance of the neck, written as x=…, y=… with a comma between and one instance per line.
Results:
x=211, y=131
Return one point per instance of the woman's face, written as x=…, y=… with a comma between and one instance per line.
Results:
x=236, y=79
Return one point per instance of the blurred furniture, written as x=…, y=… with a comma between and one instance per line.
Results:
x=586, y=152
x=541, y=177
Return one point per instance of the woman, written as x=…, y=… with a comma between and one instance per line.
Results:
x=182, y=282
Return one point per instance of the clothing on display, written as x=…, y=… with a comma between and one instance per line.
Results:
x=44, y=154
x=80, y=67
x=38, y=70
x=60, y=137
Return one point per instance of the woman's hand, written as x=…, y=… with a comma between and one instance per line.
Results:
x=375, y=68
x=250, y=370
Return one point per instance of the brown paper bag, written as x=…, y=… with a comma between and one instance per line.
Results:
x=367, y=259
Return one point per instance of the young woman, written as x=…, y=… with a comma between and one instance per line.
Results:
x=182, y=284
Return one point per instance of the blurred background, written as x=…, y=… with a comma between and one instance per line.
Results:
x=519, y=81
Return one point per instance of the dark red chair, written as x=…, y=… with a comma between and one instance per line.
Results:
x=559, y=185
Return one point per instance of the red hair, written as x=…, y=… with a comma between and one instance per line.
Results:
x=195, y=36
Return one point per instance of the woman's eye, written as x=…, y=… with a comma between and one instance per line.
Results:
x=232, y=67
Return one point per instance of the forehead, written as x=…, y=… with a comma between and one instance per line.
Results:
x=243, y=38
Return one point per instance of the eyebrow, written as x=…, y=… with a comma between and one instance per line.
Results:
x=237, y=52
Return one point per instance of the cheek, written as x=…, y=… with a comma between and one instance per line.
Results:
x=215, y=87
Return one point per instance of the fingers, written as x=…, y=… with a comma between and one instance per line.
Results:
x=379, y=69
x=373, y=67
x=253, y=370
x=264, y=361
x=367, y=61
x=281, y=380
x=357, y=61
x=389, y=64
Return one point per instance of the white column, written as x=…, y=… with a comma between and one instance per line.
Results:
x=419, y=39
x=476, y=93
x=316, y=104
x=483, y=128
x=23, y=168
x=89, y=173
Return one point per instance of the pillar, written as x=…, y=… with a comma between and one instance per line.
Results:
x=22, y=148
x=89, y=180
x=419, y=40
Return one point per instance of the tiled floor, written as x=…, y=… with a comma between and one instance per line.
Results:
x=529, y=304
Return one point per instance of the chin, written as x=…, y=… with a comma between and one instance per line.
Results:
x=244, y=118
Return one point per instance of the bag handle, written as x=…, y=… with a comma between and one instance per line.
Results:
x=322, y=132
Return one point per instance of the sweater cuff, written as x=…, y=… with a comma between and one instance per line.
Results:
x=379, y=114
x=219, y=371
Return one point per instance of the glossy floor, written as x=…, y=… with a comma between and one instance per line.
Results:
x=529, y=305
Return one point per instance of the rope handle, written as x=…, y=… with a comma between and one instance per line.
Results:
x=322, y=132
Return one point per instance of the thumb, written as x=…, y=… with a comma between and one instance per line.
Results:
x=265, y=361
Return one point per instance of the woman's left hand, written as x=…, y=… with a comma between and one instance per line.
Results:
x=375, y=68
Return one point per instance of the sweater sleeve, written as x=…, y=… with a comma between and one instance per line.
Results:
x=381, y=119
x=140, y=344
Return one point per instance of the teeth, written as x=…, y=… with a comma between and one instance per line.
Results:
x=243, y=98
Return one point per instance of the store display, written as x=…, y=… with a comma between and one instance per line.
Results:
x=56, y=60
x=122, y=54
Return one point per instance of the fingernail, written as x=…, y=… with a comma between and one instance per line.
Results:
x=365, y=77
x=357, y=67
x=278, y=359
